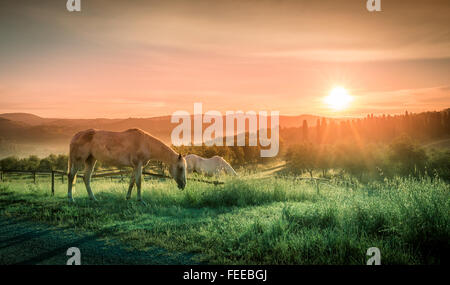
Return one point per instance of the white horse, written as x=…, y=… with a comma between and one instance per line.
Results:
x=208, y=166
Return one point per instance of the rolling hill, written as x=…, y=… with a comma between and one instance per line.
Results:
x=19, y=131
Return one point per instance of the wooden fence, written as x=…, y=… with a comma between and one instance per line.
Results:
x=122, y=174
x=103, y=173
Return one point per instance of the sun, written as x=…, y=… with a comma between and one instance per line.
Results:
x=338, y=99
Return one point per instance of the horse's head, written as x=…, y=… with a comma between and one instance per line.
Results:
x=178, y=171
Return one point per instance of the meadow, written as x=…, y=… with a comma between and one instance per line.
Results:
x=271, y=220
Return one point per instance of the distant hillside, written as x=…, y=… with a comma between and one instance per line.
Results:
x=37, y=133
x=26, y=118
x=10, y=128
x=20, y=139
x=21, y=132
x=62, y=128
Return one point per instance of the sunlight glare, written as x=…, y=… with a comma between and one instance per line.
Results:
x=338, y=99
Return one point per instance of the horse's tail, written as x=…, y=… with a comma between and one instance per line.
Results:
x=68, y=165
x=70, y=160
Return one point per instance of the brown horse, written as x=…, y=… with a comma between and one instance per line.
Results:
x=132, y=147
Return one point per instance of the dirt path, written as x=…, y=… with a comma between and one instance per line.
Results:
x=268, y=171
x=443, y=143
x=24, y=242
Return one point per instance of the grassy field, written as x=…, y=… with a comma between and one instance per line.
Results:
x=254, y=221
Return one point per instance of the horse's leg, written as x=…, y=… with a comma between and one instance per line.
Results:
x=71, y=179
x=130, y=188
x=89, y=168
x=138, y=173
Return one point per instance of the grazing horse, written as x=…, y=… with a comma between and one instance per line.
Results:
x=132, y=147
x=209, y=166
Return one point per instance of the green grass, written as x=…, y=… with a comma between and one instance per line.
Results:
x=251, y=221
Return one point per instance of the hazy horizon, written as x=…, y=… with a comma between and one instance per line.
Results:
x=168, y=115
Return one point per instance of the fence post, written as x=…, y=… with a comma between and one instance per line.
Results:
x=34, y=177
x=53, y=183
x=62, y=178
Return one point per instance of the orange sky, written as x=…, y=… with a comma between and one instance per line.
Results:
x=149, y=58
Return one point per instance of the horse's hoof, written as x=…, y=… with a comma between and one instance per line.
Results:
x=142, y=202
x=71, y=201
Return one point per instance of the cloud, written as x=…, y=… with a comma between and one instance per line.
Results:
x=413, y=100
x=361, y=55
x=119, y=55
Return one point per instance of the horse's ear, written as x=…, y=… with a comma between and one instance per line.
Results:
x=179, y=156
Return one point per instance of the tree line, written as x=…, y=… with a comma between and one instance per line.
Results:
x=368, y=161
x=384, y=128
x=33, y=162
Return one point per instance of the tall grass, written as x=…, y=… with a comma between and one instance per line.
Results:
x=256, y=221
